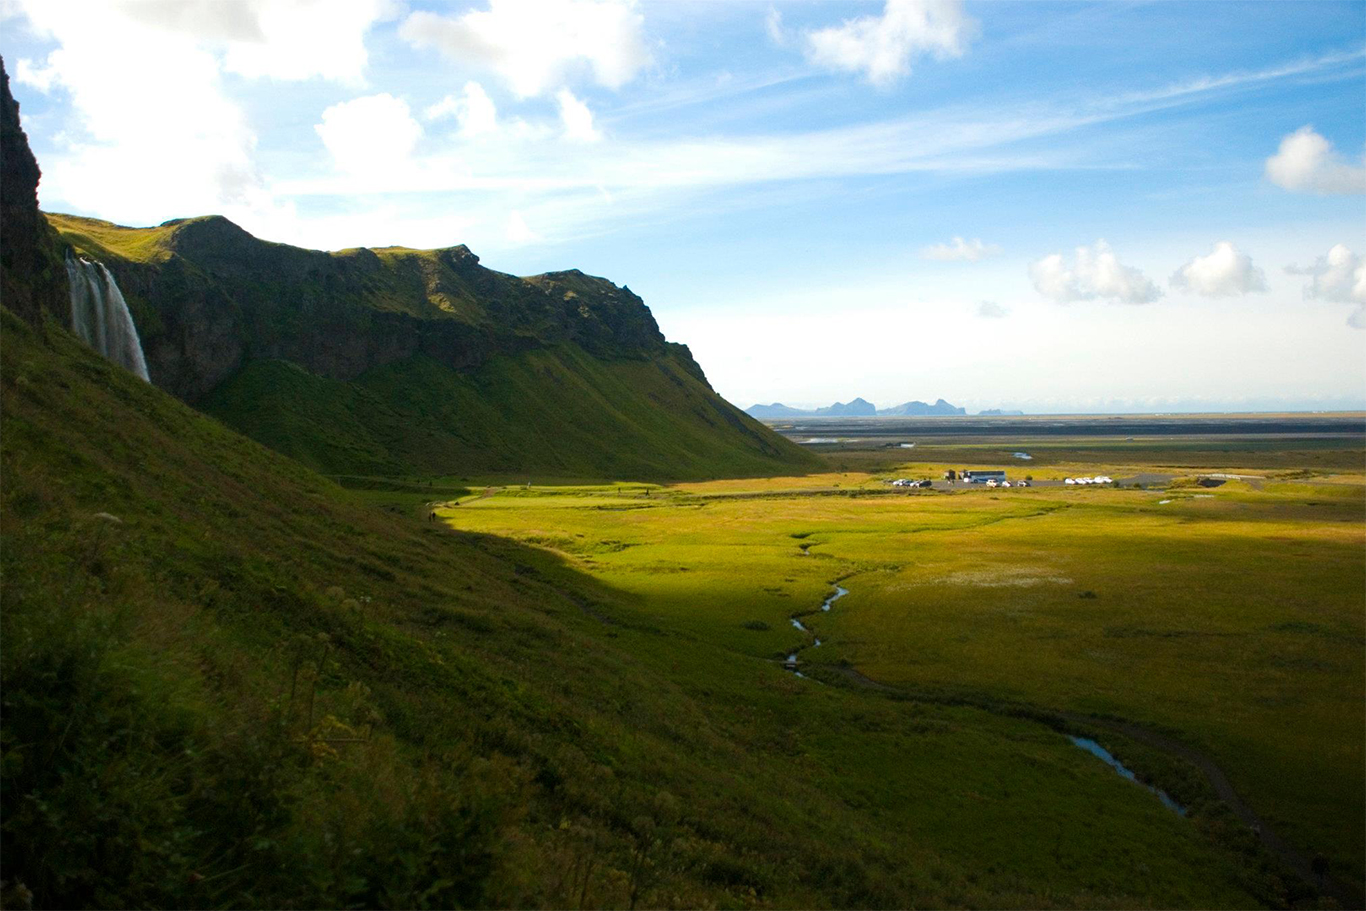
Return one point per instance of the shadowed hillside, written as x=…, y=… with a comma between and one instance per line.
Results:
x=290, y=699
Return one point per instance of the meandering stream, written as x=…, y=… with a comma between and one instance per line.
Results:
x=791, y=662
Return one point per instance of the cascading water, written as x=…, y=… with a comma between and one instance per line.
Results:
x=100, y=317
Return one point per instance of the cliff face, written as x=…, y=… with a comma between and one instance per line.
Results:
x=395, y=361
x=32, y=276
x=209, y=297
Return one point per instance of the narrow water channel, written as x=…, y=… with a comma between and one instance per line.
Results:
x=1103, y=754
x=791, y=662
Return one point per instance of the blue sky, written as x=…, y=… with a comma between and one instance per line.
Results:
x=1049, y=206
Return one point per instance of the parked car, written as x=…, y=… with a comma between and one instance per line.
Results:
x=1005, y=483
x=1021, y=483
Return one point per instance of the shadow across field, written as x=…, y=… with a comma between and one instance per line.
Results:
x=1069, y=722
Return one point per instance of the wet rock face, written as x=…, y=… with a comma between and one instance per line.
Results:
x=195, y=343
x=32, y=275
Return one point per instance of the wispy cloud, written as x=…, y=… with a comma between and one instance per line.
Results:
x=573, y=189
x=956, y=139
x=1339, y=62
x=960, y=250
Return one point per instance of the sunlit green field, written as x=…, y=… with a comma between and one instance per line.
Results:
x=1231, y=618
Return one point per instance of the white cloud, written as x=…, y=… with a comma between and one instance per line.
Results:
x=150, y=131
x=1307, y=162
x=274, y=39
x=307, y=38
x=960, y=249
x=991, y=310
x=881, y=47
x=517, y=230
x=1357, y=318
x=1340, y=276
x=1096, y=273
x=473, y=110
x=534, y=44
x=185, y=149
x=40, y=77
x=373, y=133
x=1223, y=273
x=577, y=119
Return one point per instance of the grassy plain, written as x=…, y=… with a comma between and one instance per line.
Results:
x=1232, y=619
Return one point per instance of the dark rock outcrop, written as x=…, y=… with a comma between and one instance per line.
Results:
x=32, y=276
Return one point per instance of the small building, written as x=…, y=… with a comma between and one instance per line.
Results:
x=982, y=475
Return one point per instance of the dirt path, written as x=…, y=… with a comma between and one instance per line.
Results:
x=1292, y=857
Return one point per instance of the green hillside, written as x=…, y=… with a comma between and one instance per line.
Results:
x=227, y=681
x=556, y=411
x=421, y=362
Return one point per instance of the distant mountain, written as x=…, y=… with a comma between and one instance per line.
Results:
x=858, y=408
x=920, y=409
x=999, y=413
x=776, y=410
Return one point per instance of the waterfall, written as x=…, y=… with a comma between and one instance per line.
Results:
x=100, y=317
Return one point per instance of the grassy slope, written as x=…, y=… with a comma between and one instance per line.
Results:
x=214, y=657
x=557, y=411
x=108, y=241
